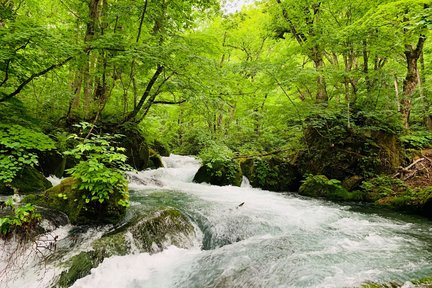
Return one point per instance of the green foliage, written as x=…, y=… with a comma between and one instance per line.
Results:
x=215, y=152
x=219, y=166
x=100, y=171
x=382, y=186
x=17, y=149
x=22, y=222
x=417, y=140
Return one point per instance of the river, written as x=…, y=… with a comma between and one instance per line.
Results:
x=248, y=237
x=271, y=240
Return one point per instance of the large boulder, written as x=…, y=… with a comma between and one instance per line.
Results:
x=28, y=180
x=67, y=198
x=271, y=173
x=155, y=160
x=150, y=233
x=219, y=172
x=137, y=149
x=339, y=151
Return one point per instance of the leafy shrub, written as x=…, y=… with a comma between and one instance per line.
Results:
x=17, y=149
x=100, y=172
x=21, y=223
x=215, y=152
x=417, y=140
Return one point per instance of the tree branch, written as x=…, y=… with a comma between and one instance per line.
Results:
x=146, y=93
x=169, y=102
x=6, y=74
x=28, y=80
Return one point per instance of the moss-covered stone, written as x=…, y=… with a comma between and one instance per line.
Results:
x=321, y=186
x=271, y=173
x=339, y=151
x=219, y=173
x=79, y=267
x=66, y=198
x=161, y=148
x=163, y=228
x=150, y=233
x=29, y=180
x=396, y=194
x=155, y=160
x=352, y=183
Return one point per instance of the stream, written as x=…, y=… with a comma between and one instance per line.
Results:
x=248, y=237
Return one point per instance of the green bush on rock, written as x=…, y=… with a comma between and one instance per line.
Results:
x=21, y=222
x=219, y=167
x=97, y=192
x=18, y=146
x=321, y=186
x=100, y=172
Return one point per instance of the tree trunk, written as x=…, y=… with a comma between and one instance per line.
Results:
x=411, y=79
x=321, y=94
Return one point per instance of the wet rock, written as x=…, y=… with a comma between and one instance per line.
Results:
x=150, y=233
x=155, y=160
x=339, y=151
x=271, y=173
x=29, y=180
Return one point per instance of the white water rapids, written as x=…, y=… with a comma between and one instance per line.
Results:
x=272, y=240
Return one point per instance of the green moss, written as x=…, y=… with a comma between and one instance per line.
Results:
x=111, y=245
x=167, y=225
x=79, y=267
x=155, y=160
x=395, y=194
x=149, y=233
x=219, y=172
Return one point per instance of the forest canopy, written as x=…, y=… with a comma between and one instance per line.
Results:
x=200, y=76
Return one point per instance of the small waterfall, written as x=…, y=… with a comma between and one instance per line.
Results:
x=245, y=182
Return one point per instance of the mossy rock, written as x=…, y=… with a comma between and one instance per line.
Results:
x=331, y=189
x=134, y=142
x=79, y=267
x=149, y=233
x=155, y=160
x=161, y=148
x=28, y=181
x=66, y=198
x=219, y=173
x=51, y=163
x=271, y=173
x=338, y=151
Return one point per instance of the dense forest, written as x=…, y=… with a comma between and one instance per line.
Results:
x=328, y=99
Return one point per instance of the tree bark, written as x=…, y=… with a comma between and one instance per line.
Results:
x=411, y=79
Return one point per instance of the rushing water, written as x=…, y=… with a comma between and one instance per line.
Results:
x=271, y=240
